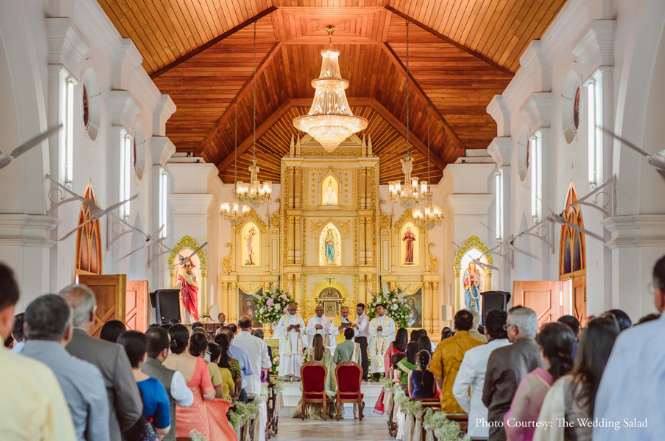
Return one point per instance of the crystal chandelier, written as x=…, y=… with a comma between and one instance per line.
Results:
x=234, y=212
x=254, y=193
x=412, y=193
x=330, y=120
x=431, y=215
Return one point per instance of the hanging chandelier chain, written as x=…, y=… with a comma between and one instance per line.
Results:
x=254, y=84
x=235, y=145
x=428, y=130
x=407, y=90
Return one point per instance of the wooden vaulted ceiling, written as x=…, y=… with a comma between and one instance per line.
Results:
x=461, y=54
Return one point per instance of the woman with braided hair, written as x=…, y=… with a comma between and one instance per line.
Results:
x=421, y=381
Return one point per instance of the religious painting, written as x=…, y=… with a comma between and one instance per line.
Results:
x=251, y=245
x=247, y=305
x=415, y=303
x=330, y=247
x=330, y=191
x=473, y=281
x=409, y=245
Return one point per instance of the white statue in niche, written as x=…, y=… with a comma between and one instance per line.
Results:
x=330, y=191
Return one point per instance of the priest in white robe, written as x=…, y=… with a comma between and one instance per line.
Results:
x=319, y=324
x=290, y=330
x=382, y=333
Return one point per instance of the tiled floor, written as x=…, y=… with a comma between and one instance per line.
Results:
x=372, y=428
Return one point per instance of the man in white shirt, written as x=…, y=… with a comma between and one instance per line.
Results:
x=290, y=330
x=382, y=331
x=633, y=383
x=362, y=335
x=320, y=324
x=257, y=350
x=472, y=373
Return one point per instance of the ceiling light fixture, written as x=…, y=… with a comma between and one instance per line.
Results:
x=330, y=120
x=234, y=212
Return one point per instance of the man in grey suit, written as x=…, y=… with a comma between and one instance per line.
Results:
x=508, y=365
x=48, y=326
x=125, y=402
x=344, y=350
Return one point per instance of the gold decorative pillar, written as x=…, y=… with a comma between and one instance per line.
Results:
x=436, y=309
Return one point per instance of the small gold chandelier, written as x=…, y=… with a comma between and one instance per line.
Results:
x=412, y=193
x=254, y=193
x=431, y=215
x=330, y=120
x=234, y=212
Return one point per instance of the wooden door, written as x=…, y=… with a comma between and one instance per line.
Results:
x=546, y=298
x=110, y=294
x=579, y=298
x=136, y=305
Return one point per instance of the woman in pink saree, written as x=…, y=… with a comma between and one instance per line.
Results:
x=556, y=347
x=207, y=414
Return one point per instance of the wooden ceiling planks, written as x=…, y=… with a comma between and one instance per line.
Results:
x=462, y=53
x=498, y=29
x=458, y=84
x=388, y=144
x=164, y=30
x=203, y=87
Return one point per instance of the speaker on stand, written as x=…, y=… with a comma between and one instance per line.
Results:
x=167, y=305
x=494, y=300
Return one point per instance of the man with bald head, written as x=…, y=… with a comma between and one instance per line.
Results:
x=290, y=330
x=111, y=359
x=337, y=327
x=320, y=324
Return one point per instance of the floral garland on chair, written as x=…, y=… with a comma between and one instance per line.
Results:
x=244, y=412
x=396, y=306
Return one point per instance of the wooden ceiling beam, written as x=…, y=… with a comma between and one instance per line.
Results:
x=414, y=140
x=420, y=92
x=260, y=130
x=211, y=43
x=477, y=55
x=246, y=88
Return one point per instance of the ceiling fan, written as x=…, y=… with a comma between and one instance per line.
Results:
x=95, y=211
x=558, y=218
x=510, y=244
x=657, y=160
x=478, y=262
x=150, y=240
x=5, y=160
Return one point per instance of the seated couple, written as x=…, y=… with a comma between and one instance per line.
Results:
x=343, y=352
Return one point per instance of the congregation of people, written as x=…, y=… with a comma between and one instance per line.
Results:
x=516, y=380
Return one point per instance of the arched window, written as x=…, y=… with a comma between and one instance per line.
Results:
x=573, y=243
x=88, y=239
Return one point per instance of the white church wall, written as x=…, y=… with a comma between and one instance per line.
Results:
x=577, y=47
x=47, y=42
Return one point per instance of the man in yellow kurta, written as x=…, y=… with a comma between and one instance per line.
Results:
x=448, y=357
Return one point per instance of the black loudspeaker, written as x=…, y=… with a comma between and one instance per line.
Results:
x=494, y=300
x=167, y=303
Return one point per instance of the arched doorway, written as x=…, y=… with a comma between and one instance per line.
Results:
x=572, y=257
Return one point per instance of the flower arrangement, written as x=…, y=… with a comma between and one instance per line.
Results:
x=195, y=435
x=245, y=412
x=443, y=428
x=397, y=307
x=274, y=370
x=272, y=305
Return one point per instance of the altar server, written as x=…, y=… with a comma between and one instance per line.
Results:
x=320, y=324
x=382, y=333
x=290, y=330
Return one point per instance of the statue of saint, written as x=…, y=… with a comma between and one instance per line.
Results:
x=330, y=248
x=410, y=238
x=189, y=291
x=472, y=286
x=330, y=196
x=249, y=239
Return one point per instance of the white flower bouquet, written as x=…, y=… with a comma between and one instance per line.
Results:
x=272, y=305
x=396, y=307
